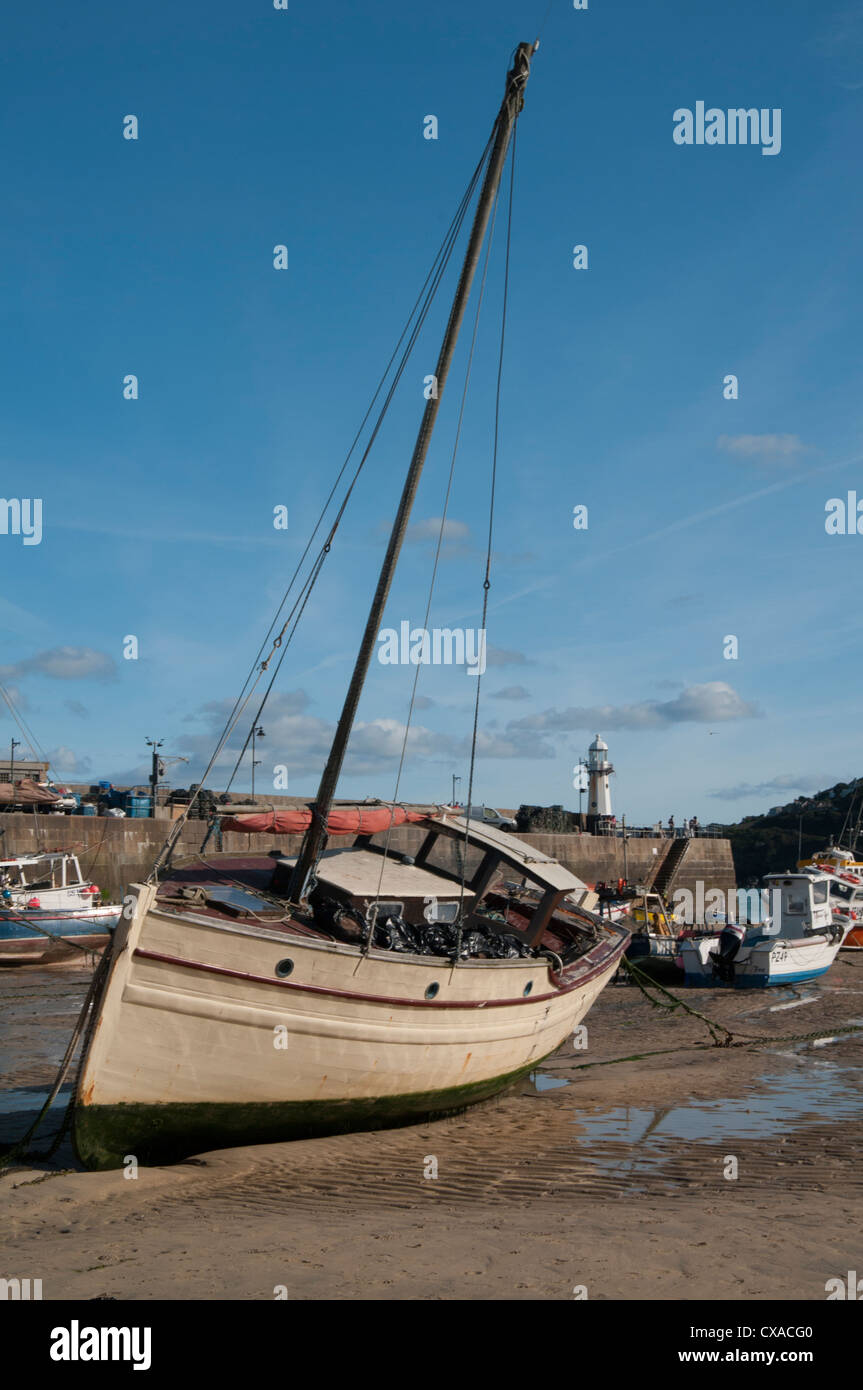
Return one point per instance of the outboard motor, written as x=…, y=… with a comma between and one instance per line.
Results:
x=730, y=940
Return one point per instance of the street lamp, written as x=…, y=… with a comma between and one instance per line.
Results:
x=155, y=744
x=16, y=743
x=258, y=732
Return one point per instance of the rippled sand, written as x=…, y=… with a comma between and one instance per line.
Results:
x=608, y=1177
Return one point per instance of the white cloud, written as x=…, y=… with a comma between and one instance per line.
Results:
x=786, y=783
x=763, y=446
x=429, y=530
x=701, y=704
x=64, y=760
x=499, y=656
x=65, y=664
x=302, y=741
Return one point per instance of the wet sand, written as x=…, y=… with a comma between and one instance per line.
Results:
x=610, y=1178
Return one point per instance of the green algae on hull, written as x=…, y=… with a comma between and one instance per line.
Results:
x=104, y=1135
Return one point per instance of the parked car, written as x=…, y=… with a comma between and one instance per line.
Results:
x=489, y=816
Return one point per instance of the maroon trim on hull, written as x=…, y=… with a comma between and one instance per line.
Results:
x=609, y=957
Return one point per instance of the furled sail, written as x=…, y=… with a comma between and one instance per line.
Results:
x=345, y=820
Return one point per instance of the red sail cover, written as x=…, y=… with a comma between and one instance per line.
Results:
x=347, y=820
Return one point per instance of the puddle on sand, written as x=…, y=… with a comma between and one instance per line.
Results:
x=783, y=1100
x=825, y=1093
x=19, y=1107
x=784, y=997
x=540, y=1081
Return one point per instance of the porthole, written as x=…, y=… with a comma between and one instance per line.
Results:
x=528, y=987
x=432, y=989
x=284, y=968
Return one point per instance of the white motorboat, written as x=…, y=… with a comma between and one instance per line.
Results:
x=798, y=942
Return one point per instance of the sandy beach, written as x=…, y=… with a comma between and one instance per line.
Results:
x=608, y=1180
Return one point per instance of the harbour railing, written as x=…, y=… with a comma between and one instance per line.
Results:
x=661, y=832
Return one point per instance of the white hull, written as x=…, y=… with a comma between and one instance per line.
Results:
x=195, y=1017
x=771, y=962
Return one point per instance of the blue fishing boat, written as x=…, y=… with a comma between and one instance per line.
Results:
x=48, y=911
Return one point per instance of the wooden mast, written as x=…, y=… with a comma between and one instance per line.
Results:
x=316, y=834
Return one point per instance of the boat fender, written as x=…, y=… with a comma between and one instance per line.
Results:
x=33, y=902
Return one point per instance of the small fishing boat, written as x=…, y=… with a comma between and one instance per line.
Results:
x=799, y=942
x=615, y=898
x=846, y=890
x=654, y=934
x=48, y=911
x=274, y=997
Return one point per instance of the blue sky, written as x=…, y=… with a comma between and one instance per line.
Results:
x=305, y=127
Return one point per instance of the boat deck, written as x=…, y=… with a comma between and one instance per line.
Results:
x=243, y=885
x=245, y=895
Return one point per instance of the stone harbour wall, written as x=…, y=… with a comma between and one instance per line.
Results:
x=114, y=853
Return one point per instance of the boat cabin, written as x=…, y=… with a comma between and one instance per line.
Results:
x=801, y=904
x=406, y=901
x=32, y=871
x=428, y=887
x=648, y=913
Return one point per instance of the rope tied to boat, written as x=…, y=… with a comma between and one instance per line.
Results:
x=84, y=1023
x=63, y=940
x=721, y=1036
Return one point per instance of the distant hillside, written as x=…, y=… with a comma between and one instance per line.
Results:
x=765, y=844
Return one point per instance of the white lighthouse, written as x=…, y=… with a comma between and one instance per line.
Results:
x=599, y=789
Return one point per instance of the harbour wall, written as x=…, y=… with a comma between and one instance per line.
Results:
x=114, y=853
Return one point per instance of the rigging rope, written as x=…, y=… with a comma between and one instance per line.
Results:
x=431, y=285
x=439, y=546
x=29, y=737
x=435, y=276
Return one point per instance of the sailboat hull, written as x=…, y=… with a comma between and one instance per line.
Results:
x=211, y=1036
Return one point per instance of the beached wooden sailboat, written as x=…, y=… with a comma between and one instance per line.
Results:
x=272, y=997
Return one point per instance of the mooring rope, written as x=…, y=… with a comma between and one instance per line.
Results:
x=721, y=1036
x=646, y=984
x=64, y=940
x=20, y=1150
